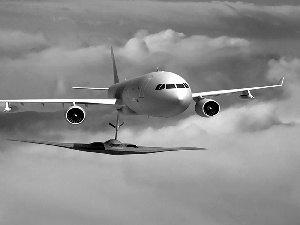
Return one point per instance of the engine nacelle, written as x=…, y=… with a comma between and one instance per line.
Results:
x=207, y=107
x=75, y=115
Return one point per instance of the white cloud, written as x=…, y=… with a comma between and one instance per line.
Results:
x=18, y=41
x=178, y=44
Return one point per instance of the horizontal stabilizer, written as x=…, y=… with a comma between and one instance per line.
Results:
x=90, y=88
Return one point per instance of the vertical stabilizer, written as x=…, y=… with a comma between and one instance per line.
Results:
x=116, y=78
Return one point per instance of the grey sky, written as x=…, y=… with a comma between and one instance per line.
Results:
x=250, y=175
x=256, y=2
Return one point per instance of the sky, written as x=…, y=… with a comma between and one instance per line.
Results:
x=250, y=173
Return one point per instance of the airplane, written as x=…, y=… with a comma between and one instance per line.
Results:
x=156, y=94
x=110, y=147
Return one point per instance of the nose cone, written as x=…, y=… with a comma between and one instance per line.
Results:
x=171, y=98
x=182, y=95
x=179, y=101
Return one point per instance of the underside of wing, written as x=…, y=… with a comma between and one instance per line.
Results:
x=148, y=150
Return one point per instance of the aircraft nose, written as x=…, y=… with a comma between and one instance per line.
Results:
x=183, y=96
x=181, y=101
x=180, y=96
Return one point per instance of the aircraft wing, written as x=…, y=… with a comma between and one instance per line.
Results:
x=102, y=147
x=144, y=150
x=72, y=101
x=62, y=145
x=230, y=91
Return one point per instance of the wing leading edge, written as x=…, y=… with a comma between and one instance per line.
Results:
x=79, y=101
x=230, y=91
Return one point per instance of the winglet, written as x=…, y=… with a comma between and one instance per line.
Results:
x=116, y=78
x=281, y=81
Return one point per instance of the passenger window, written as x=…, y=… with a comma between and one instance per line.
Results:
x=170, y=86
x=158, y=87
x=180, y=86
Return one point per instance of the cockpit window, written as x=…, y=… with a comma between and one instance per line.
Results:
x=170, y=86
x=186, y=85
x=180, y=86
x=162, y=87
x=158, y=87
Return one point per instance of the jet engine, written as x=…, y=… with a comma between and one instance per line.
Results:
x=207, y=108
x=75, y=115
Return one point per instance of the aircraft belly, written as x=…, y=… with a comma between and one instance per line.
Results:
x=153, y=107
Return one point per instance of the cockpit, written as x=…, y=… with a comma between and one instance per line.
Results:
x=171, y=86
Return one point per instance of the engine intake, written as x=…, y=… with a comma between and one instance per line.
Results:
x=207, y=107
x=75, y=115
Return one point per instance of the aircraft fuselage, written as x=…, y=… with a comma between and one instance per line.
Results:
x=158, y=94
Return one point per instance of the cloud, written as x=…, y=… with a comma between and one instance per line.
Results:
x=118, y=20
x=172, y=42
x=18, y=42
x=256, y=2
x=245, y=175
x=52, y=72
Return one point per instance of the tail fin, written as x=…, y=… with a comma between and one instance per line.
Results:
x=116, y=78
